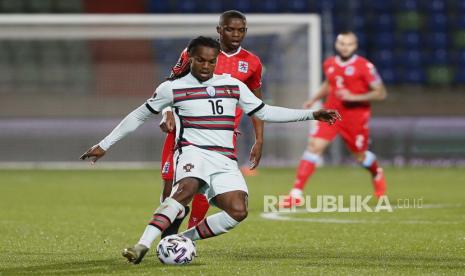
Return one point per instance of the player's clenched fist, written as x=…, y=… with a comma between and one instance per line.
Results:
x=327, y=115
x=168, y=122
x=95, y=151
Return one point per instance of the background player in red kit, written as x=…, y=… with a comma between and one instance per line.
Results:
x=351, y=84
x=240, y=64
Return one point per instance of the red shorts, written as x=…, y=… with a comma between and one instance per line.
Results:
x=353, y=129
x=167, y=170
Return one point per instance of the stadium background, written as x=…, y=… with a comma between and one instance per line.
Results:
x=59, y=97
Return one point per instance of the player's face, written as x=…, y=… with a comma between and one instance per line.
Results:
x=346, y=45
x=203, y=62
x=232, y=32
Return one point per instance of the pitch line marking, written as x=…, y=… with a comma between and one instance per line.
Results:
x=283, y=216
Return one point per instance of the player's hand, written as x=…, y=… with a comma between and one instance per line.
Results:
x=95, y=151
x=346, y=95
x=168, y=123
x=255, y=155
x=308, y=104
x=327, y=115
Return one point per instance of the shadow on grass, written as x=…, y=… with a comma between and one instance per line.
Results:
x=107, y=266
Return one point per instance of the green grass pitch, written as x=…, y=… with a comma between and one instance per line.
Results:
x=77, y=222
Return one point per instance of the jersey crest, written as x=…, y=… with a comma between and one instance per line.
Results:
x=211, y=91
x=243, y=66
x=350, y=70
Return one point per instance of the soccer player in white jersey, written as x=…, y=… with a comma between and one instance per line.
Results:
x=205, y=106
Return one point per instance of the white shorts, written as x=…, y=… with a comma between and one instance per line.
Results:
x=220, y=174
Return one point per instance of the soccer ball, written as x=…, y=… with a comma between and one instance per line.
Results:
x=176, y=249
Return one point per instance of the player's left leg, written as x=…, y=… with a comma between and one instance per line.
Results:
x=355, y=134
x=228, y=191
x=234, y=206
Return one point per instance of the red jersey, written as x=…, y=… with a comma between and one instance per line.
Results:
x=355, y=75
x=242, y=65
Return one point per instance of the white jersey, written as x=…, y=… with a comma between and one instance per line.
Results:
x=206, y=110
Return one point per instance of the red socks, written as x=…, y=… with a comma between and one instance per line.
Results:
x=304, y=171
x=373, y=168
x=199, y=210
x=370, y=163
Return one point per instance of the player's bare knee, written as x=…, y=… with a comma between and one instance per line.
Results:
x=238, y=212
x=185, y=190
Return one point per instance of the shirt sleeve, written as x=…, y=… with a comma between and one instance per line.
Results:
x=255, y=80
x=162, y=98
x=130, y=123
x=277, y=114
x=248, y=101
x=370, y=74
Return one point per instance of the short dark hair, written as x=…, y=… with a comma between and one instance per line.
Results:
x=347, y=32
x=202, y=41
x=193, y=44
x=231, y=14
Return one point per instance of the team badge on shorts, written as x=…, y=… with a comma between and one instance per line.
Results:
x=211, y=91
x=243, y=66
x=350, y=70
x=188, y=167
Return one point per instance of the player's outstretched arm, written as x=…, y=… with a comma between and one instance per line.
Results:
x=276, y=114
x=130, y=123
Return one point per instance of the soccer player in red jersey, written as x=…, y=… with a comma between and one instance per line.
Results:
x=352, y=82
x=240, y=64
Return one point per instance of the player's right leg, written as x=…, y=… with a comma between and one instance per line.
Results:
x=228, y=191
x=163, y=216
x=167, y=175
x=317, y=144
